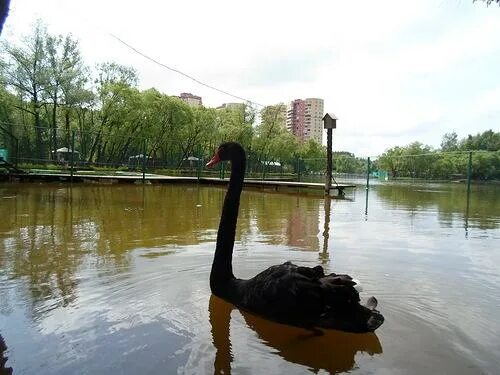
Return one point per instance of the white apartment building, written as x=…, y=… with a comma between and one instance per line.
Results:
x=313, y=119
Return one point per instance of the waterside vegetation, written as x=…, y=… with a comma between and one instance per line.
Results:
x=48, y=94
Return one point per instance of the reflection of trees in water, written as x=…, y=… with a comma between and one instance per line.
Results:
x=114, y=219
x=449, y=200
x=49, y=233
x=52, y=230
x=39, y=247
x=334, y=351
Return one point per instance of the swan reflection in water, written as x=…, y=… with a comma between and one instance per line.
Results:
x=334, y=351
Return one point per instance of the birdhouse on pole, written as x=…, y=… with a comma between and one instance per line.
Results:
x=330, y=121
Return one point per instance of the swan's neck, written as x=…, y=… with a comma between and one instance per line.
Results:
x=222, y=268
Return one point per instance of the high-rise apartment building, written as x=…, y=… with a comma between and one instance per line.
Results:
x=313, y=119
x=295, y=117
x=192, y=100
x=304, y=119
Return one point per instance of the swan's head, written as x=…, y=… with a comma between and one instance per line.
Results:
x=226, y=151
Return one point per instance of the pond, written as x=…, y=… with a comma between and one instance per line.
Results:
x=102, y=279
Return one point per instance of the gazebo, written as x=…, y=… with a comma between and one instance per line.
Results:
x=136, y=161
x=63, y=155
x=192, y=161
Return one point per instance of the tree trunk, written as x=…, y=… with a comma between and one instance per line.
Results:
x=94, y=146
x=102, y=152
x=38, y=129
x=81, y=121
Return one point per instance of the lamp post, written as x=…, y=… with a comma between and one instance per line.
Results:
x=329, y=123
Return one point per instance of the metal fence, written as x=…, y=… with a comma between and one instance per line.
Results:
x=80, y=151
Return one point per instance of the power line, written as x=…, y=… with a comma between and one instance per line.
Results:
x=136, y=50
x=179, y=72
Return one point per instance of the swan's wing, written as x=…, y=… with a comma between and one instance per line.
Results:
x=371, y=303
x=339, y=291
x=286, y=293
x=304, y=296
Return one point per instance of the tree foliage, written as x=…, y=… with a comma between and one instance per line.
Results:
x=420, y=161
x=449, y=142
x=48, y=93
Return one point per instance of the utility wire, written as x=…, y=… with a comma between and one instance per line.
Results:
x=136, y=50
x=179, y=72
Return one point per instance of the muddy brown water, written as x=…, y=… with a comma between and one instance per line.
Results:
x=99, y=279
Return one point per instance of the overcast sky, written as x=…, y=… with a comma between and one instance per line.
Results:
x=392, y=71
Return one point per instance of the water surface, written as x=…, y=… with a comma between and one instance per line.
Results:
x=114, y=279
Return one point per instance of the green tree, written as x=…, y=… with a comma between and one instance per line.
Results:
x=486, y=165
x=391, y=160
x=313, y=156
x=235, y=124
x=25, y=70
x=449, y=142
x=65, y=79
x=347, y=163
x=488, y=141
x=271, y=137
x=7, y=118
x=115, y=90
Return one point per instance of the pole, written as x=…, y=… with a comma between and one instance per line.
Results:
x=329, y=163
x=367, y=183
x=298, y=169
x=198, y=171
x=144, y=162
x=469, y=176
x=72, y=155
x=17, y=151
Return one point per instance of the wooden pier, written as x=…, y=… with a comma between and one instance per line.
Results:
x=138, y=178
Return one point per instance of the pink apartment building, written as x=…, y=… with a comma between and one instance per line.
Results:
x=304, y=119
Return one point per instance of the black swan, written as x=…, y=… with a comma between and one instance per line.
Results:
x=294, y=295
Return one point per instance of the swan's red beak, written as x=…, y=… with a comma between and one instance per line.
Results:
x=214, y=161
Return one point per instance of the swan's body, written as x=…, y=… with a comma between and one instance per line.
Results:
x=286, y=293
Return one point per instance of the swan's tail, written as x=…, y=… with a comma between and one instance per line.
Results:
x=375, y=319
x=358, y=285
